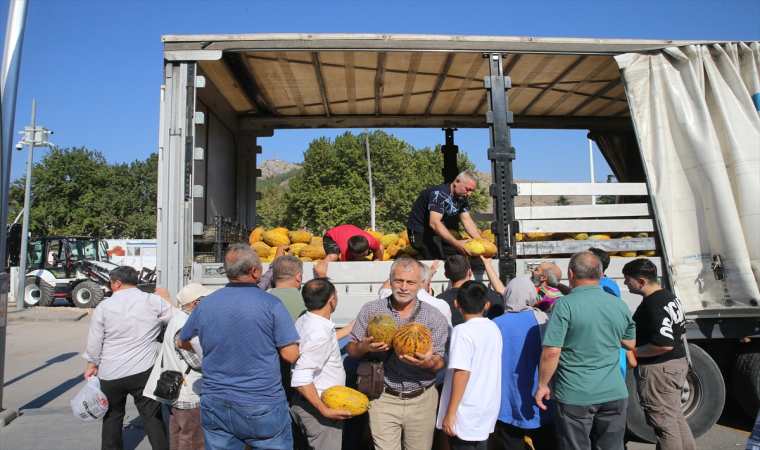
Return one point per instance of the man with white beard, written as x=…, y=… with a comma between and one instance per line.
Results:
x=405, y=413
x=546, y=277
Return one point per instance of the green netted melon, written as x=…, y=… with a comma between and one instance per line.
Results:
x=382, y=327
x=412, y=338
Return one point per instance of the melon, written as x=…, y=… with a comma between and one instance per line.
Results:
x=485, y=232
x=389, y=239
x=409, y=250
x=580, y=236
x=648, y=253
x=456, y=234
x=344, y=398
x=375, y=234
x=295, y=248
x=568, y=239
x=598, y=237
x=305, y=259
x=626, y=237
x=268, y=259
x=402, y=243
x=490, y=237
x=386, y=256
x=274, y=238
x=299, y=237
x=412, y=338
x=316, y=240
x=404, y=235
x=261, y=249
x=382, y=327
x=476, y=248
x=314, y=252
x=627, y=254
x=491, y=250
x=272, y=251
x=465, y=235
x=256, y=235
x=393, y=250
x=519, y=237
x=642, y=235
x=281, y=230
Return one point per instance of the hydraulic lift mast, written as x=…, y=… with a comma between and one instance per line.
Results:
x=501, y=153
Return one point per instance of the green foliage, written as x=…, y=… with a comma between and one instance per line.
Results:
x=606, y=199
x=333, y=188
x=77, y=192
x=563, y=201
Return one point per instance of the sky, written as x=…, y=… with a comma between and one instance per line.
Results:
x=95, y=67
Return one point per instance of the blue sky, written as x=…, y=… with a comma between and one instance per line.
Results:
x=95, y=67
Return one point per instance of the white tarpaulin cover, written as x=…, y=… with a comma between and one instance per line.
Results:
x=695, y=111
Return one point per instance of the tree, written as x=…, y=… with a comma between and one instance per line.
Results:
x=607, y=199
x=76, y=192
x=562, y=201
x=333, y=188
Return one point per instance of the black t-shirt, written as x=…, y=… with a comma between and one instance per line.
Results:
x=660, y=321
x=438, y=199
x=450, y=295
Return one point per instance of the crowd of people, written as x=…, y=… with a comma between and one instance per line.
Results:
x=535, y=358
x=246, y=365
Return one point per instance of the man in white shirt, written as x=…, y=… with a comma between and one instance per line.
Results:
x=319, y=366
x=121, y=351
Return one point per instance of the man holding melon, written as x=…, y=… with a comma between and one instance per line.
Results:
x=406, y=408
x=426, y=226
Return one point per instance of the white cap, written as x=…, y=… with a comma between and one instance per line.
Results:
x=191, y=293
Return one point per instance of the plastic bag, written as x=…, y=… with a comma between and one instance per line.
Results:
x=90, y=403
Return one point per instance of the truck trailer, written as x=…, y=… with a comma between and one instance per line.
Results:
x=677, y=121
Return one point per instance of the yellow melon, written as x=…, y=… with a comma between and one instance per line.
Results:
x=642, y=235
x=272, y=251
x=295, y=248
x=485, y=232
x=281, y=230
x=305, y=259
x=598, y=237
x=491, y=250
x=648, y=253
x=389, y=239
x=275, y=238
x=519, y=237
x=316, y=240
x=386, y=256
x=568, y=239
x=268, y=259
x=346, y=399
x=299, y=237
x=476, y=248
x=580, y=236
x=375, y=234
x=404, y=235
x=314, y=252
x=456, y=234
x=261, y=249
x=402, y=243
x=409, y=250
x=627, y=254
x=256, y=235
x=490, y=237
x=465, y=235
x=393, y=250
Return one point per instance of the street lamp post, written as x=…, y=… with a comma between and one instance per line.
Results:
x=33, y=137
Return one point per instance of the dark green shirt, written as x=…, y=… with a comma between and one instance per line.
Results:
x=291, y=298
x=588, y=325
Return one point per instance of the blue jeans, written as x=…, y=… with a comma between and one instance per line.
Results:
x=228, y=425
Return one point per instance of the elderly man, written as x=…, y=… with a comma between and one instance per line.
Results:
x=121, y=351
x=287, y=275
x=319, y=367
x=434, y=206
x=406, y=411
x=242, y=330
x=582, y=345
x=457, y=269
x=185, y=431
x=546, y=277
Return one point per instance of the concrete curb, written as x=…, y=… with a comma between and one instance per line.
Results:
x=15, y=316
x=7, y=416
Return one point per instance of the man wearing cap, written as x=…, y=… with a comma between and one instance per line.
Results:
x=185, y=431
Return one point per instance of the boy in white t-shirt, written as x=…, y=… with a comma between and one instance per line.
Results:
x=472, y=388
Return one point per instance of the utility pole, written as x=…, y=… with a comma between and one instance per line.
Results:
x=371, y=192
x=14, y=38
x=591, y=162
x=33, y=137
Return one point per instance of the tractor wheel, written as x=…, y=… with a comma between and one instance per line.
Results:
x=37, y=292
x=87, y=294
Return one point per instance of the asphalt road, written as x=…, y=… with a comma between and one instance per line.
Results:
x=44, y=368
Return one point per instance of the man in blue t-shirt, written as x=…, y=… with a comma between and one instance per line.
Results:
x=426, y=226
x=608, y=284
x=243, y=331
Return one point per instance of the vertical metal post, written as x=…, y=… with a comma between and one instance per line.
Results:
x=591, y=162
x=450, y=169
x=371, y=192
x=14, y=38
x=20, y=303
x=501, y=153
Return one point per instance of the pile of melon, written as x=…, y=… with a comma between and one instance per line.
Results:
x=302, y=244
x=534, y=237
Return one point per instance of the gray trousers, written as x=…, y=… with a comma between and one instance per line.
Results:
x=321, y=432
x=580, y=426
x=659, y=387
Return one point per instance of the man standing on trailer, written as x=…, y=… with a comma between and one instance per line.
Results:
x=350, y=243
x=661, y=356
x=426, y=225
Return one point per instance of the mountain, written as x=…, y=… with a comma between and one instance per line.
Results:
x=280, y=172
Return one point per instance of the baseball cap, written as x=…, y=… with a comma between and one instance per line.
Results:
x=191, y=293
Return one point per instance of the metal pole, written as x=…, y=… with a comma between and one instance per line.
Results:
x=371, y=192
x=591, y=162
x=20, y=303
x=14, y=38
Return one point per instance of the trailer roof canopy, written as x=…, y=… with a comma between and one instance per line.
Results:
x=339, y=80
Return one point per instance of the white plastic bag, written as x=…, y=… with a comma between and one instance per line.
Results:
x=90, y=403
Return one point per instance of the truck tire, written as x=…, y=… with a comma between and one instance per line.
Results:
x=702, y=399
x=37, y=292
x=87, y=294
x=746, y=379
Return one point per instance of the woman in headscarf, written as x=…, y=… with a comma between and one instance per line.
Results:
x=522, y=326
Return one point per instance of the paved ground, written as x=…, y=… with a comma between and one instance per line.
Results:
x=43, y=372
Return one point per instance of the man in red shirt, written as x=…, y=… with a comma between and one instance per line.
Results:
x=350, y=243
